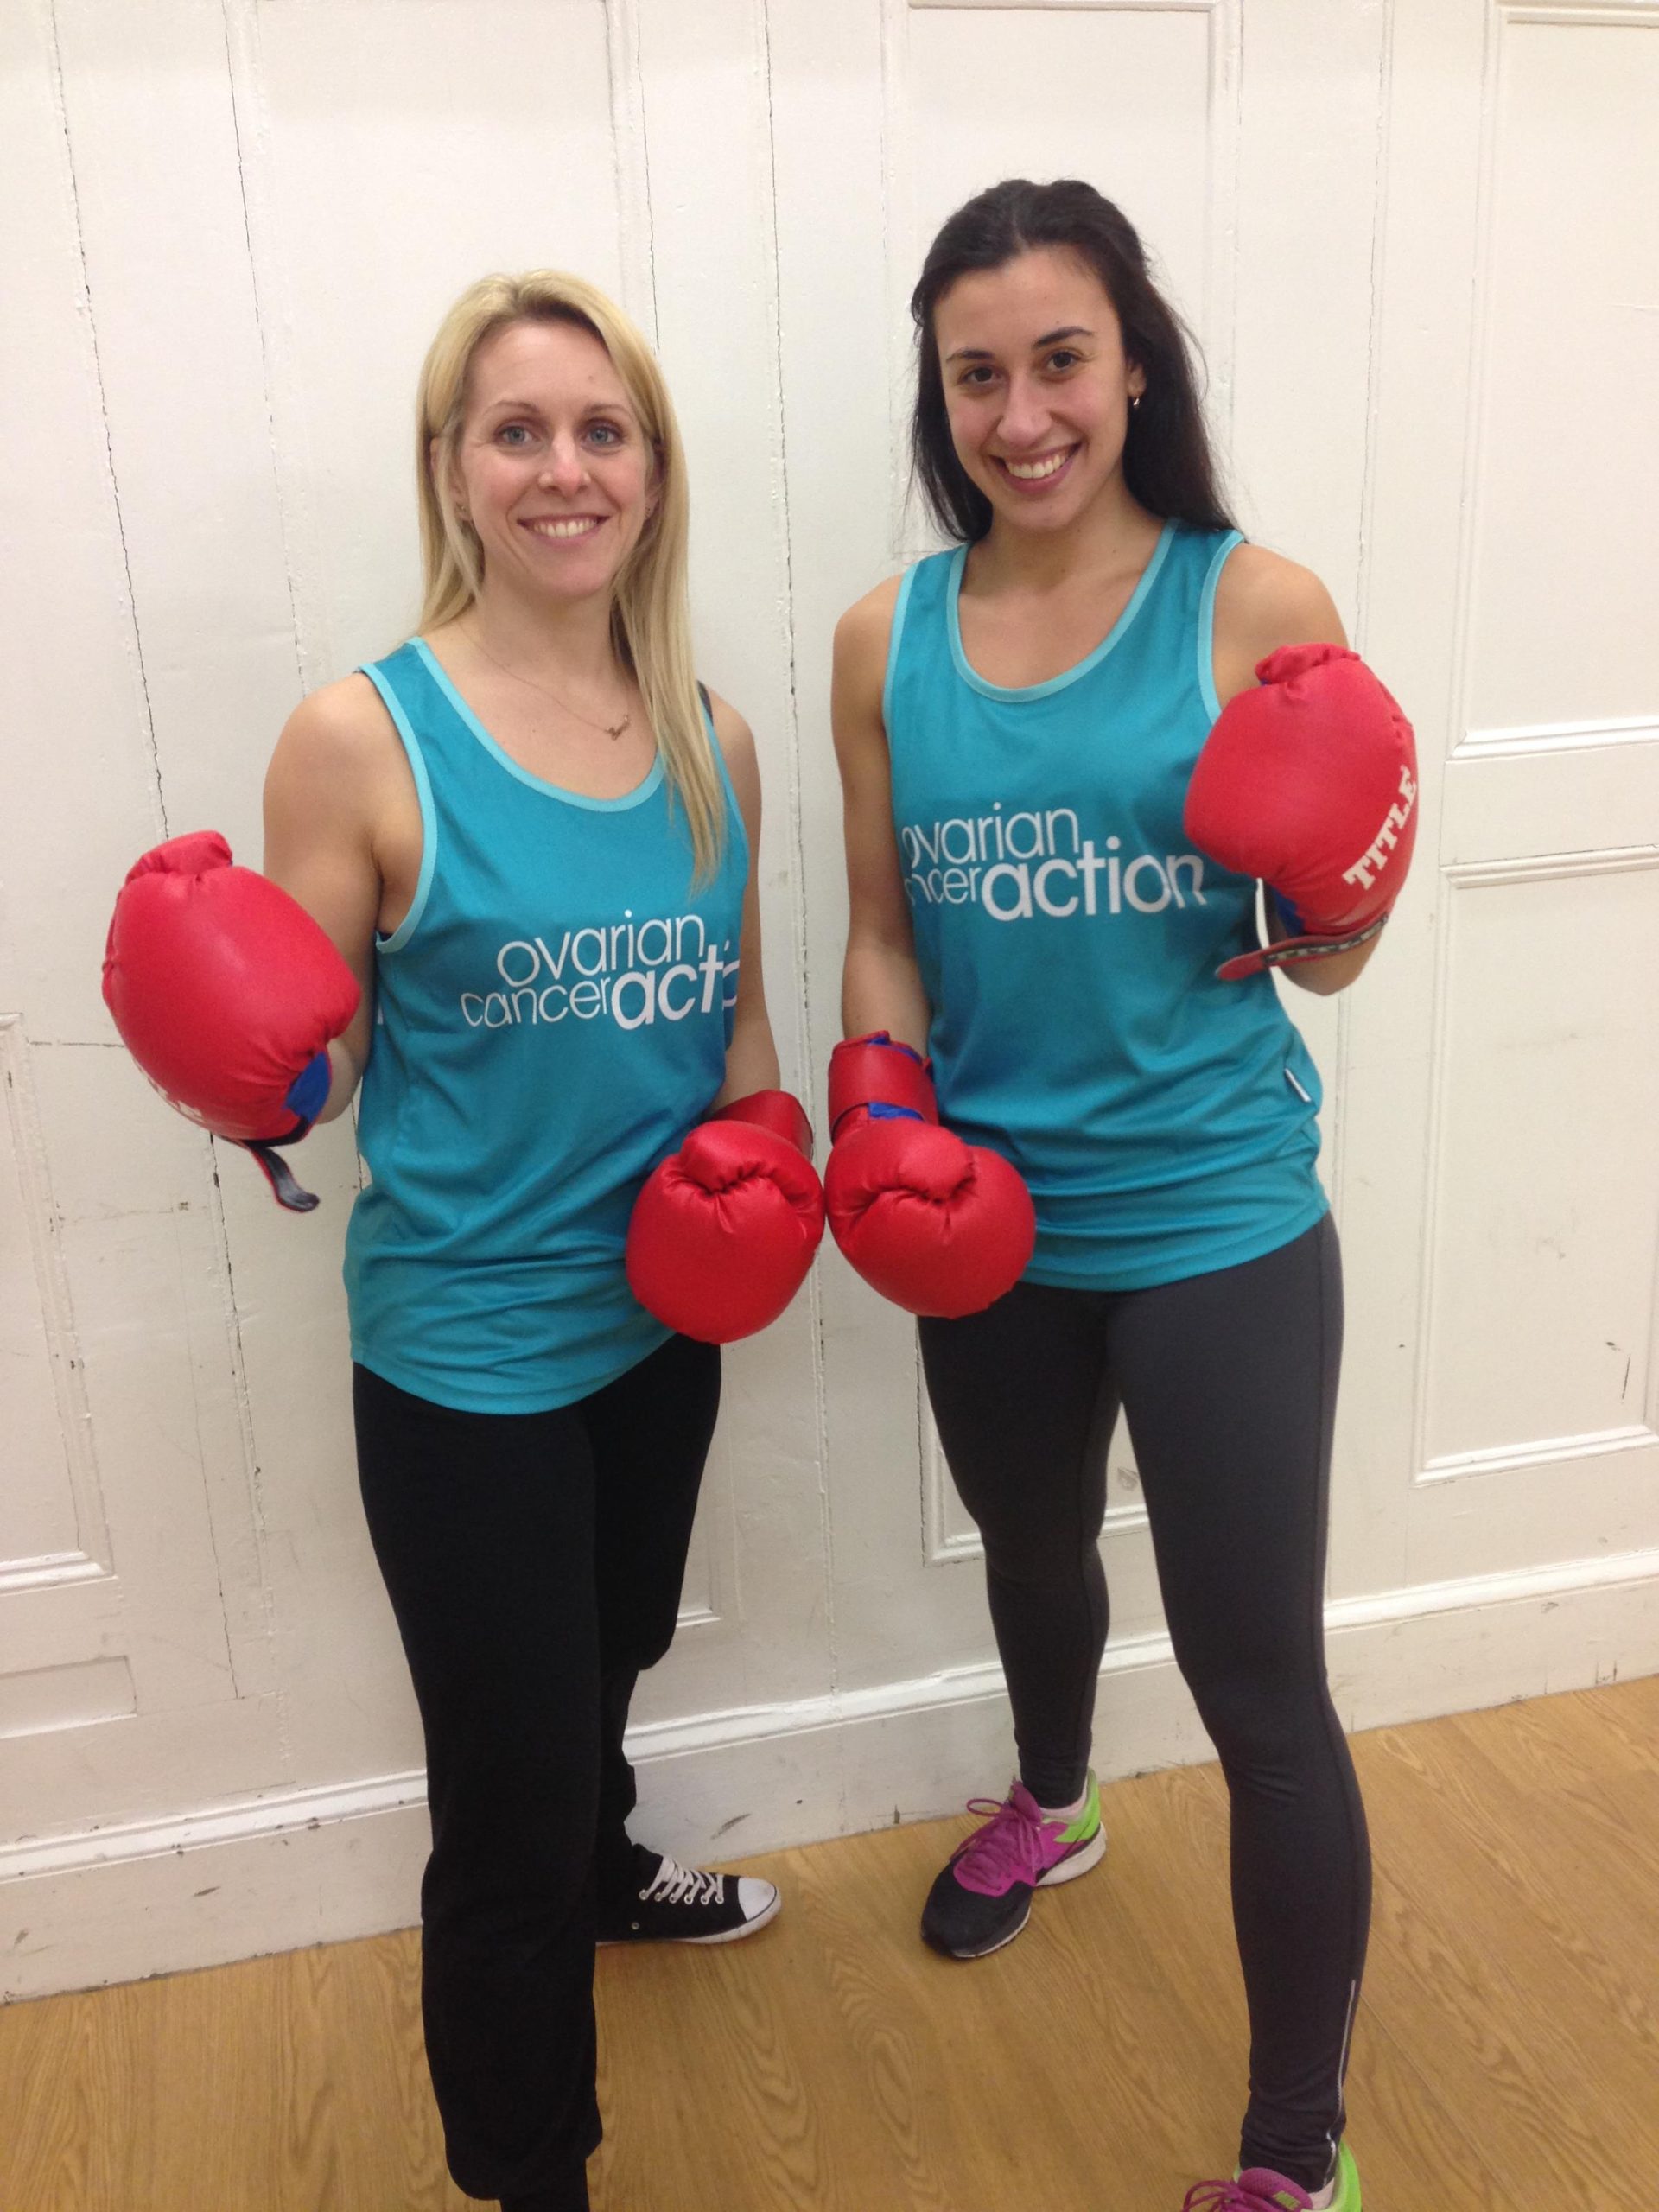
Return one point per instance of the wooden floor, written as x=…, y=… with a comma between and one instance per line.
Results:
x=1507, y=2052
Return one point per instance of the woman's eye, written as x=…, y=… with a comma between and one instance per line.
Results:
x=1064, y=358
x=605, y=434
x=976, y=378
x=514, y=434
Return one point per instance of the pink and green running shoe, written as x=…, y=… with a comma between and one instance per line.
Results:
x=1257, y=2190
x=981, y=1898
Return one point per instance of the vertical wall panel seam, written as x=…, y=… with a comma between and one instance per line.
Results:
x=1492, y=97
x=1454, y=701
x=800, y=940
x=1223, y=145
x=252, y=1470
x=631, y=182
x=1383, y=154
x=264, y=350
x=61, y=108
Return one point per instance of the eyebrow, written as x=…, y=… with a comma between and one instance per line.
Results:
x=1048, y=337
x=529, y=407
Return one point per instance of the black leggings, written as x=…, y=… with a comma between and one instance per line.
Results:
x=1229, y=1383
x=534, y=1562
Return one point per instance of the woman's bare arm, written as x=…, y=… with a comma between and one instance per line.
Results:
x=320, y=791
x=881, y=985
x=752, y=1056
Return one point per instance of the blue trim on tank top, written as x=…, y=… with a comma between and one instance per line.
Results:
x=1207, y=622
x=970, y=676
x=637, y=797
x=405, y=929
x=900, y=608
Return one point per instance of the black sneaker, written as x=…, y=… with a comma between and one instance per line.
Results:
x=671, y=1904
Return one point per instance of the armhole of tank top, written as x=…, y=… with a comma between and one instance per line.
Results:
x=405, y=929
x=1207, y=623
x=900, y=607
x=734, y=811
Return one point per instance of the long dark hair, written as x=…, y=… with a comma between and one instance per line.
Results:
x=1167, y=463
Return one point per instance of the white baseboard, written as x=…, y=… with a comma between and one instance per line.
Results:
x=281, y=1872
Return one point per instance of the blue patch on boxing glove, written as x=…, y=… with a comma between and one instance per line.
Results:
x=308, y=1092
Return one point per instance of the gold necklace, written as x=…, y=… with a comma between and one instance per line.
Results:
x=612, y=730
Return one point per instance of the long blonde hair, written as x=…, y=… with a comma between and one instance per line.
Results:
x=650, y=618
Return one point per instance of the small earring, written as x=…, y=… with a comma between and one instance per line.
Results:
x=1134, y=403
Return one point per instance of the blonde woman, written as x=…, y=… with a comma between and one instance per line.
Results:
x=535, y=851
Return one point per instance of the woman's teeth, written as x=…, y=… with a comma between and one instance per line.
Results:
x=1030, y=471
x=578, y=526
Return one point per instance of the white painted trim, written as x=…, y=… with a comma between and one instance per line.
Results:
x=1096, y=7
x=286, y=1813
x=1548, y=868
x=327, y=1865
x=1634, y=15
x=281, y=1812
x=51, y=1571
x=1542, y=1452
x=1527, y=739
x=1477, y=1592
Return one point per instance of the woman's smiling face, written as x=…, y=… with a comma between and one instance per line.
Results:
x=552, y=467
x=1036, y=387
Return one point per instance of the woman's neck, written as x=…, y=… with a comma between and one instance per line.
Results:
x=572, y=640
x=1113, y=533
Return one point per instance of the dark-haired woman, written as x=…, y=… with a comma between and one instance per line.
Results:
x=1019, y=723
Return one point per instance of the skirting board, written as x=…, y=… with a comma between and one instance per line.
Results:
x=323, y=1865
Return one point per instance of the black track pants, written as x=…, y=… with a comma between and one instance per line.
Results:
x=1228, y=1384
x=534, y=1562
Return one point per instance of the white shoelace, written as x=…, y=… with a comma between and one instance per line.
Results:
x=678, y=1884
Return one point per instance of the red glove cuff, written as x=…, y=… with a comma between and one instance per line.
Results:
x=1289, y=950
x=776, y=1111
x=874, y=1071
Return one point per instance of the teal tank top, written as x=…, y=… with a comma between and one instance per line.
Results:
x=1068, y=937
x=552, y=1015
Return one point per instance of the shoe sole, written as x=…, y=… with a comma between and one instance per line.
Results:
x=766, y=1913
x=1081, y=1862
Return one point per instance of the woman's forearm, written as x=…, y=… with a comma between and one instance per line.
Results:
x=881, y=989
x=751, y=1061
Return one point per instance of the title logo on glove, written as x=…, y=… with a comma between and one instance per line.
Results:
x=1371, y=862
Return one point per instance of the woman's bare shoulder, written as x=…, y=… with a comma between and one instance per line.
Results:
x=1264, y=600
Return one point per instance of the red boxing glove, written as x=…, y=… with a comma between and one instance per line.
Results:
x=1309, y=782
x=938, y=1226
x=723, y=1233
x=227, y=993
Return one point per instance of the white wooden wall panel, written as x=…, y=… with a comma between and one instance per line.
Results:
x=1561, y=616
x=393, y=150
x=39, y=1520
x=1548, y=1050
x=1412, y=237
